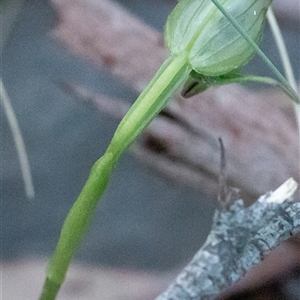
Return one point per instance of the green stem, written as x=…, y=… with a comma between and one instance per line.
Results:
x=289, y=74
x=240, y=78
x=171, y=75
x=168, y=79
x=286, y=63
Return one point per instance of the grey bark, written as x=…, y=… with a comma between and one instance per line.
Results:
x=240, y=237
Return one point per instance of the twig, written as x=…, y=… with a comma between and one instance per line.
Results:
x=223, y=191
x=240, y=237
x=19, y=142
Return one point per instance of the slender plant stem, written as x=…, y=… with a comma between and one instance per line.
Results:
x=19, y=142
x=284, y=58
x=168, y=79
x=172, y=74
x=288, y=70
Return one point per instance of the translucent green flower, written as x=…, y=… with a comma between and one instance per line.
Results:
x=213, y=45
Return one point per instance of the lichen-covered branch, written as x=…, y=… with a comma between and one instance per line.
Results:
x=240, y=237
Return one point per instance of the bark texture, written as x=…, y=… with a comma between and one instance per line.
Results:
x=240, y=237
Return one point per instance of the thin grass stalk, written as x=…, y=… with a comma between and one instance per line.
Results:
x=19, y=142
x=286, y=63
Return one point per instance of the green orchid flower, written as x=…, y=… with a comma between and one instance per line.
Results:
x=213, y=46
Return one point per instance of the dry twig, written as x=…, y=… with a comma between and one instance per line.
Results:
x=240, y=237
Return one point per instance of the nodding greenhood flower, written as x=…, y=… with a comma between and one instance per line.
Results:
x=214, y=47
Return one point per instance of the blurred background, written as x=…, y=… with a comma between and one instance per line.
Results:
x=144, y=222
x=142, y=218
